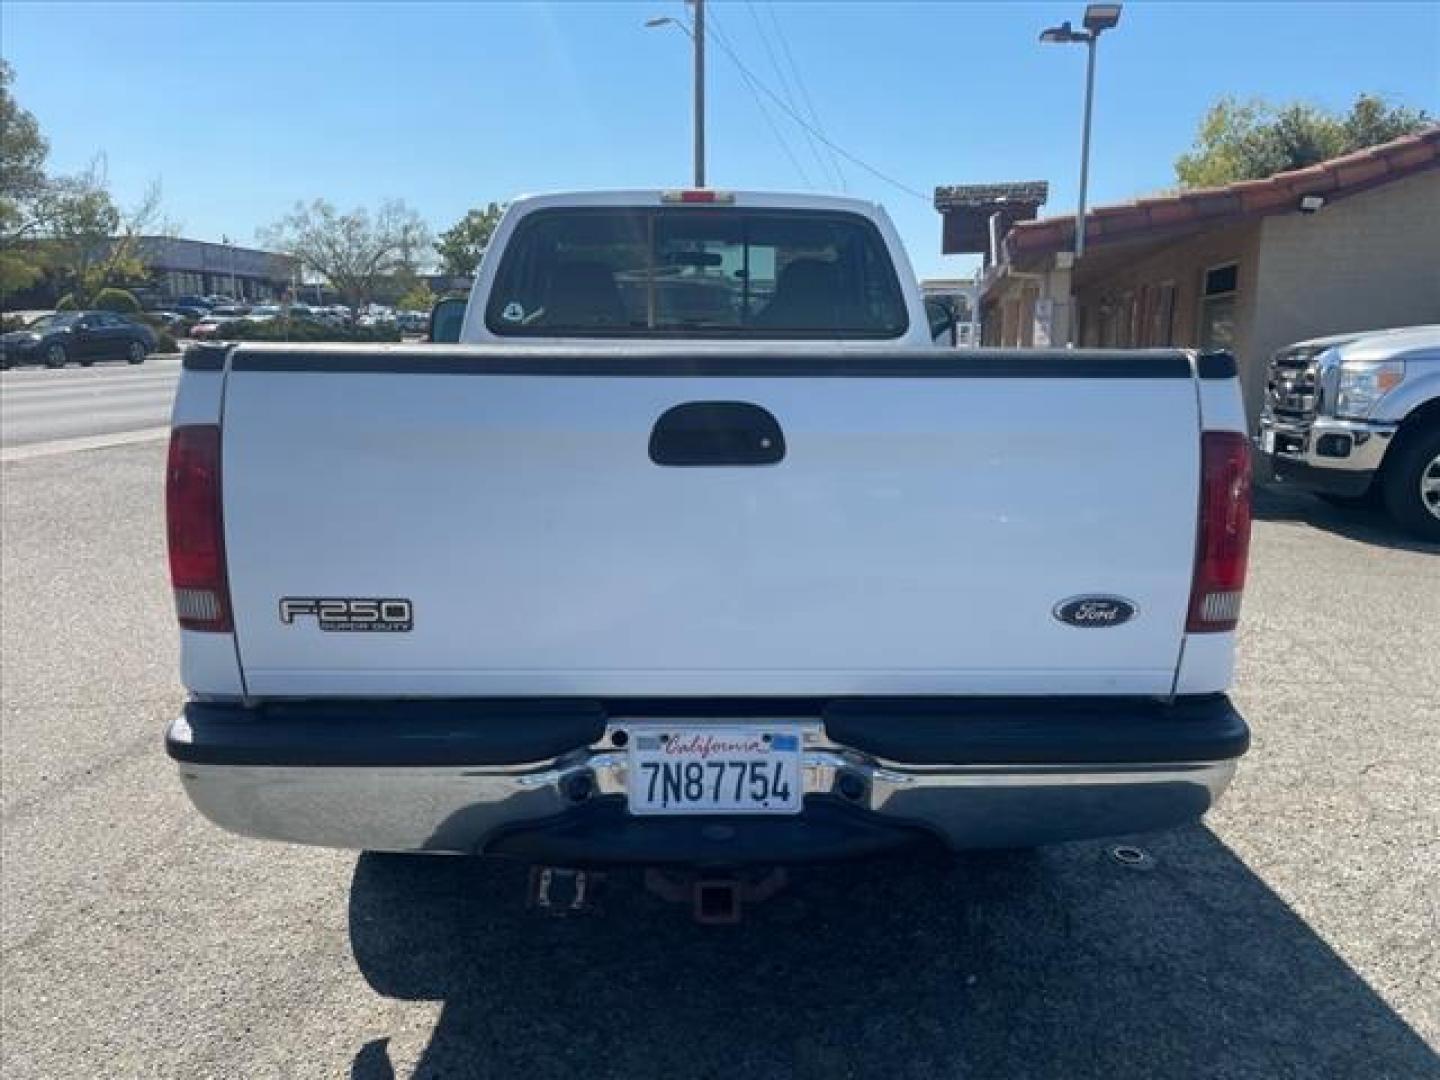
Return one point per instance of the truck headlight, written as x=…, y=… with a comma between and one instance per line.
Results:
x=1364, y=384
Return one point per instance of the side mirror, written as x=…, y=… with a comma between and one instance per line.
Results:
x=942, y=322
x=446, y=318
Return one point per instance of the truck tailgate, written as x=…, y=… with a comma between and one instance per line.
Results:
x=927, y=517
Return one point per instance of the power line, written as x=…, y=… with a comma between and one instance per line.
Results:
x=784, y=82
x=712, y=31
x=804, y=91
x=831, y=143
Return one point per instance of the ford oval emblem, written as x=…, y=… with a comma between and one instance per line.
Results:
x=1095, y=611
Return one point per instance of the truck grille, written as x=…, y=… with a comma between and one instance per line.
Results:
x=1292, y=387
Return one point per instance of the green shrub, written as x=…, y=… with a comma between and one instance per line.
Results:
x=66, y=303
x=121, y=300
x=165, y=341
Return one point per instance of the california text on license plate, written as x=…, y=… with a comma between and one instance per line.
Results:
x=715, y=771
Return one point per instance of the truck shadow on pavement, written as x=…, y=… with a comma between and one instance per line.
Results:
x=1364, y=521
x=1062, y=963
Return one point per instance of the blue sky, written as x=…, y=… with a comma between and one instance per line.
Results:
x=241, y=109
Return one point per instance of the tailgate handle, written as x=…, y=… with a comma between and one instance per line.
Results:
x=717, y=433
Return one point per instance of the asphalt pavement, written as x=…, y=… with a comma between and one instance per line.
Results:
x=40, y=405
x=1293, y=935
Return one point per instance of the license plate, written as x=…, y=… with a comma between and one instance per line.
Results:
x=715, y=771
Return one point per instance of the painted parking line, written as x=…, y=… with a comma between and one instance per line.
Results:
x=84, y=442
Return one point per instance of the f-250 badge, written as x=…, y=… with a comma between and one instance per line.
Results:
x=350, y=614
x=1095, y=611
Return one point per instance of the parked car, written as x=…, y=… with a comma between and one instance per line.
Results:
x=212, y=326
x=1358, y=415
x=376, y=315
x=199, y=303
x=789, y=583
x=412, y=322
x=190, y=311
x=264, y=312
x=82, y=336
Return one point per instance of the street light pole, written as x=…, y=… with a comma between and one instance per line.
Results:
x=1085, y=146
x=1098, y=19
x=230, y=250
x=699, y=36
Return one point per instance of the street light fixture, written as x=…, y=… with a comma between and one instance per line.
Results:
x=1098, y=19
x=697, y=37
x=1060, y=35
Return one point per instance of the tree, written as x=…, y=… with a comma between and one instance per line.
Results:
x=461, y=245
x=68, y=227
x=1372, y=121
x=353, y=252
x=22, y=148
x=1250, y=140
x=89, y=242
x=418, y=298
x=22, y=178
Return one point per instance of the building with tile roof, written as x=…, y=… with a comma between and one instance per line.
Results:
x=1347, y=244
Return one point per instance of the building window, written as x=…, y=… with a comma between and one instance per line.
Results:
x=1217, y=307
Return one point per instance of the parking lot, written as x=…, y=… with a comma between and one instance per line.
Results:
x=1293, y=935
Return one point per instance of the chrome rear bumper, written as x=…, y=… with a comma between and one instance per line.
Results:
x=453, y=808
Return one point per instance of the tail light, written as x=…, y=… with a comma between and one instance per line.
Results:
x=1223, y=545
x=195, y=529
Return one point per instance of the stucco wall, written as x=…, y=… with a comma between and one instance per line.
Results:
x=1369, y=261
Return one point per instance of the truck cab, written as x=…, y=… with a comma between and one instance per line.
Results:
x=1356, y=416
x=696, y=266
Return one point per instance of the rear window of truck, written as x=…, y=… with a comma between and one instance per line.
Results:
x=696, y=272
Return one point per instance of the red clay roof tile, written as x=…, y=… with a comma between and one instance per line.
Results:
x=1334, y=178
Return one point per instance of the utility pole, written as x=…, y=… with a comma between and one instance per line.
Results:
x=699, y=37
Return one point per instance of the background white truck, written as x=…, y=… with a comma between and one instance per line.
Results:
x=1356, y=416
x=696, y=552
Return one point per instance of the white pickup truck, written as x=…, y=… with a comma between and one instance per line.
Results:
x=696, y=552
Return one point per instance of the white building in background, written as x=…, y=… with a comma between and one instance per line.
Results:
x=181, y=267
